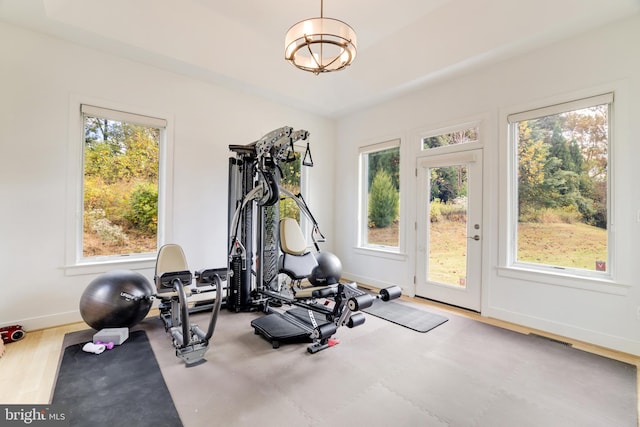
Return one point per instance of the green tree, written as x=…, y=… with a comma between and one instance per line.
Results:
x=532, y=157
x=562, y=158
x=290, y=179
x=383, y=200
x=117, y=151
x=561, y=179
x=447, y=183
x=143, y=208
x=590, y=133
x=387, y=160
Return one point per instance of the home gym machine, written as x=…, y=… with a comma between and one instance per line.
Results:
x=262, y=248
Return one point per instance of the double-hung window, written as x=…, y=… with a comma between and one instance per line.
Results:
x=561, y=187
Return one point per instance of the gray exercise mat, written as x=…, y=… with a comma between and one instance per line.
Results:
x=405, y=315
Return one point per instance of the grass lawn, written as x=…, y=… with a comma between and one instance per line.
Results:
x=569, y=245
x=448, y=252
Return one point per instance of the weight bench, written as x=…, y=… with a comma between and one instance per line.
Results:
x=173, y=281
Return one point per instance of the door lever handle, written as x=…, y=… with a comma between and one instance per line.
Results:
x=476, y=237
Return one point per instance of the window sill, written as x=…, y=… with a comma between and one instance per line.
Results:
x=102, y=266
x=381, y=252
x=594, y=284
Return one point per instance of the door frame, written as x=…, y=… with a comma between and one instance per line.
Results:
x=469, y=297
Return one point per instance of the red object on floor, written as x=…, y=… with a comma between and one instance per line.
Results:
x=12, y=333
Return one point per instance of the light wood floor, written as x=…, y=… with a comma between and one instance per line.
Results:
x=28, y=367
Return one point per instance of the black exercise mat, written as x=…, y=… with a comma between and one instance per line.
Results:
x=122, y=386
x=403, y=315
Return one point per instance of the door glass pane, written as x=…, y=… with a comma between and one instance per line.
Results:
x=447, y=243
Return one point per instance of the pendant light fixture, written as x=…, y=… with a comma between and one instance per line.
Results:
x=320, y=45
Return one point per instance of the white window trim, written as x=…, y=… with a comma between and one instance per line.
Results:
x=563, y=107
x=363, y=205
x=603, y=282
x=74, y=263
x=450, y=129
x=122, y=116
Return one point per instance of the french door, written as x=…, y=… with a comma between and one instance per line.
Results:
x=449, y=228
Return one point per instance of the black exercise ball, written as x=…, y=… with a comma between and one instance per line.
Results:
x=328, y=271
x=117, y=299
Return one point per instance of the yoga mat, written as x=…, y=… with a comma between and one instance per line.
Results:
x=403, y=315
x=122, y=386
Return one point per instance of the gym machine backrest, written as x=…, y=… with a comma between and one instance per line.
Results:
x=173, y=279
x=170, y=259
x=296, y=260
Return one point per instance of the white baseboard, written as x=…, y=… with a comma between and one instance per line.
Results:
x=49, y=321
x=408, y=291
x=562, y=329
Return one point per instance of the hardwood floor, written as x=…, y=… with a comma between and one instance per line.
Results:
x=28, y=367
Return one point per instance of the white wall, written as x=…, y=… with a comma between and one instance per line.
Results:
x=602, y=60
x=40, y=77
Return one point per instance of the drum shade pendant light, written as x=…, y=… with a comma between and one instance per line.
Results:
x=320, y=45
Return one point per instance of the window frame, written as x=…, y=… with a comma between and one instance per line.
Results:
x=470, y=145
x=75, y=263
x=363, y=199
x=562, y=274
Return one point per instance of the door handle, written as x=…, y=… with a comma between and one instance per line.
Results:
x=476, y=237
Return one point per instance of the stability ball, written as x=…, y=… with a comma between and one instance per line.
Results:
x=116, y=299
x=328, y=271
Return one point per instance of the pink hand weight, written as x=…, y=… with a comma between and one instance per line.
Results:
x=108, y=345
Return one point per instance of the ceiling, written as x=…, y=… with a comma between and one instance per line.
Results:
x=402, y=44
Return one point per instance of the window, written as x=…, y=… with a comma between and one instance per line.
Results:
x=451, y=138
x=380, y=200
x=291, y=178
x=561, y=182
x=120, y=169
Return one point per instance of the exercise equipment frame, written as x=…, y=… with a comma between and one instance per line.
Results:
x=253, y=221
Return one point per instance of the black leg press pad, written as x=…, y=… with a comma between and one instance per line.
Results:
x=274, y=327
